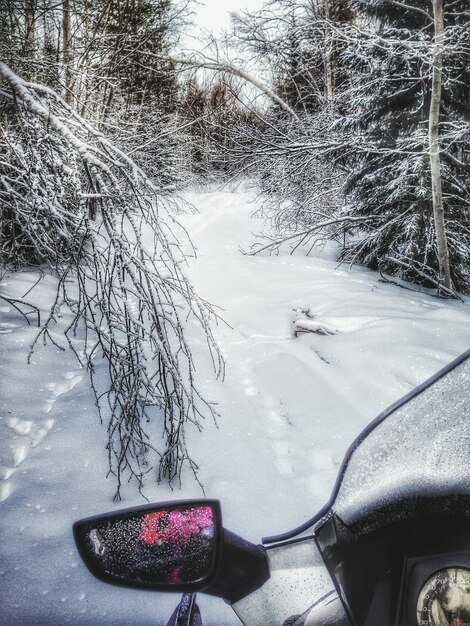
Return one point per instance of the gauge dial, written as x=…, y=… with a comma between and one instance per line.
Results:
x=444, y=599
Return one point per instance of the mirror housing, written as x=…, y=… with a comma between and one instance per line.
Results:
x=173, y=546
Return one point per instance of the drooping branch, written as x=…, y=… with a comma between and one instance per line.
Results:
x=23, y=91
x=74, y=201
x=317, y=228
x=223, y=66
x=19, y=303
x=426, y=276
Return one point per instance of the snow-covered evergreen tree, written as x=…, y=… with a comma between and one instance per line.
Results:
x=393, y=51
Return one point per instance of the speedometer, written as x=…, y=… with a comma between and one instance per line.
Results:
x=444, y=599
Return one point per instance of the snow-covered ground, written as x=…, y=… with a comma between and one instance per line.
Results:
x=289, y=407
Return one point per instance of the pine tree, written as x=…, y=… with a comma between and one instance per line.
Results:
x=394, y=145
x=135, y=27
x=299, y=67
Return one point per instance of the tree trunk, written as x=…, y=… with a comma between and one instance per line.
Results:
x=48, y=28
x=329, y=88
x=67, y=50
x=434, y=156
x=30, y=43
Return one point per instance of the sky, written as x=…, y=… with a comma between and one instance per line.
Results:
x=214, y=15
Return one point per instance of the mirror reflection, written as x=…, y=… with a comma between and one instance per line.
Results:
x=167, y=547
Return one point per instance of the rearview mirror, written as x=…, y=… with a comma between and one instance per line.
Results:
x=174, y=546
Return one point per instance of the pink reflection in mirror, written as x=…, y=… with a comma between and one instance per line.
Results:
x=176, y=526
x=161, y=547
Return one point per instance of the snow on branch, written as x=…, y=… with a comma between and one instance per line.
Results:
x=228, y=68
x=427, y=274
x=303, y=235
x=73, y=201
x=22, y=92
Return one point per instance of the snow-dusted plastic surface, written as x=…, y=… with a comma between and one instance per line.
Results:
x=420, y=450
x=298, y=579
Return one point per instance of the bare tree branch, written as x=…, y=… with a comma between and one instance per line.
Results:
x=73, y=200
x=222, y=66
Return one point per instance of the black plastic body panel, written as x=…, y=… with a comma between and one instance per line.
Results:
x=379, y=571
x=243, y=569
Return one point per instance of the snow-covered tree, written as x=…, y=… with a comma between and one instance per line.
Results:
x=72, y=200
x=383, y=166
x=118, y=33
x=293, y=156
x=408, y=136
x=212, y=115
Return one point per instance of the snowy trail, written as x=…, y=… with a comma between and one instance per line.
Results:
x=289, y=407
x=266, y=380
x=298, y=403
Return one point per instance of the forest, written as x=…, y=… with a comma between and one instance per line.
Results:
x=222, y=254
x=352, y=117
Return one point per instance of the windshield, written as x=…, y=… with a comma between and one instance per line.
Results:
x=422, y=449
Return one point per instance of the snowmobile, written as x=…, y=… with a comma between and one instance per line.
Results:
x=390, y=548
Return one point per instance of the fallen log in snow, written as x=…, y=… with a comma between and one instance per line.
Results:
x=305, y=322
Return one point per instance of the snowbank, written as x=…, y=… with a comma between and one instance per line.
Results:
x=289, y=407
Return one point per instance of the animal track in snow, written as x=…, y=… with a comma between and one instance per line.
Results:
x=29, y=433
x=36, y=431
x=19, y=454
x=322, y=460
x=5, y=490
x=250, y=388
x=21, y=427
x=276, y=425
x=6, y=472
x=5, y=328
x=246, y=367
x=59, y=388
